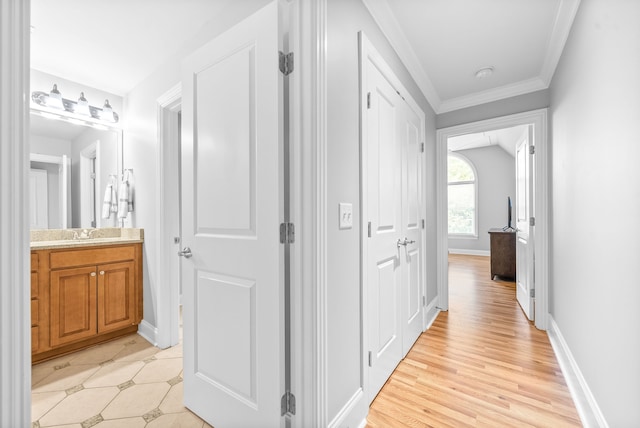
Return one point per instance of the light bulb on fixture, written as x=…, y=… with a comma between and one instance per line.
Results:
x=55, y=98
x=82, y=106
x=107, y=112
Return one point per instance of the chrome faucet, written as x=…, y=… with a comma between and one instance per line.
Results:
x=84, y=234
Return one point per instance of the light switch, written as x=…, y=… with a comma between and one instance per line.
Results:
x=345, y=211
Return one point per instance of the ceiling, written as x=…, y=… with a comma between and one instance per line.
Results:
x=442, y=42
x=113, y=45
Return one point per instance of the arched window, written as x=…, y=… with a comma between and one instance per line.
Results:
x=462, y=212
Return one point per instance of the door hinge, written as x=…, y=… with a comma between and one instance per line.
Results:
x=532, y=221
x=532, y=150
x=368, y=100
x=286, y=62
x=369, y=230
x=423, y=222
x=288, y=404
x=370, y=362
x=532, y=293
x=287, y=233
x=421, y=147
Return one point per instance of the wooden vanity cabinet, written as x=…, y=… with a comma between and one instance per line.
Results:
x=35, y=303
x=94, y=294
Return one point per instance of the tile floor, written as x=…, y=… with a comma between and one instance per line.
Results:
x=125, y=383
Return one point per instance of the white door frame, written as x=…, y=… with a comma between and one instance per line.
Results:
x=308, y=204
x=90, y=152
x=15, y=330
x=537, y=118
x=167, y=205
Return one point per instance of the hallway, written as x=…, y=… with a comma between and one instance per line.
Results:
x=480, y=364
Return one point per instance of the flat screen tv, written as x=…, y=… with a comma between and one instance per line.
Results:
x=509, y=210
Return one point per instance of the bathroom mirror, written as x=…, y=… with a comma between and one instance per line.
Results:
x=72, y=163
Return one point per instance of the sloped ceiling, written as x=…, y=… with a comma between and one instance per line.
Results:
x=506, y=139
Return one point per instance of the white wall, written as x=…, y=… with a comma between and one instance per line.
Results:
x=496, y=180
x=345, y=18
x=140, y=150
x=49, y=146
x=596, y=200
x=518, y=104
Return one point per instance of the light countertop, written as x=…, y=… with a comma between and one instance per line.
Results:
x=71, y=238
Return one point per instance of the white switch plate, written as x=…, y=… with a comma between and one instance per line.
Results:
x=345, y=211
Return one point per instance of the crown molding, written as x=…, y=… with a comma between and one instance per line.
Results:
x=561, y=28
x=494, y=94
x=392, y=30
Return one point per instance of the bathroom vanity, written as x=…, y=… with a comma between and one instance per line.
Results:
x=86, y=288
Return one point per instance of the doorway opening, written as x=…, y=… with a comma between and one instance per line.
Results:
x=486, y=171
x=169, y=217
x=535, y=122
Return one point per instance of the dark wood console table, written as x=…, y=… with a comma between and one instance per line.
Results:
x=503, y=253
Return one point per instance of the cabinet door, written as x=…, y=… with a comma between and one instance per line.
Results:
x=116, y=296
x=73, y=305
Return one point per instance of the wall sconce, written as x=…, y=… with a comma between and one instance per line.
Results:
x=54, y=100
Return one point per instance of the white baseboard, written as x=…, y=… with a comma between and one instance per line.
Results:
x=149, y=332
x=585, y=402
x=346, y=415
x=432, y=311
x=469, y=252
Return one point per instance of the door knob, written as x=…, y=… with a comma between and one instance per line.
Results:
x=186, y=252
x=404, y=242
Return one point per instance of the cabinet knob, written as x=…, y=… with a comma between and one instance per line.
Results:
x=93, y=274
x=101, y=272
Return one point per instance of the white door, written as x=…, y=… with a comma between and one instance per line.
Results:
x=39, y=198
x=524, y=229
x=393, y=197
x=411, y=254
x=383, y=199
x=232, y=206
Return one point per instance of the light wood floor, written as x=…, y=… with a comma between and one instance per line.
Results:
x=482, y=363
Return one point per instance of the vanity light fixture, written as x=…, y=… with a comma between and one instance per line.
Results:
x=80, y=109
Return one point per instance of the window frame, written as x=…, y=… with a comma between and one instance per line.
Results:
x=474, y=234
